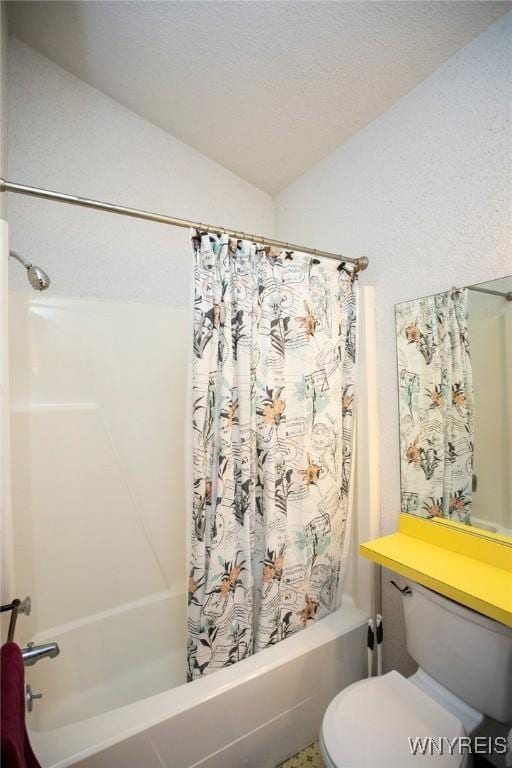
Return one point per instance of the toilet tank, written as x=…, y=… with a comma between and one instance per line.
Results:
x=466, y=652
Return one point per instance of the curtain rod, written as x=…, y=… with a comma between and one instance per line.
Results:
x=22, y=189
x=503, y=294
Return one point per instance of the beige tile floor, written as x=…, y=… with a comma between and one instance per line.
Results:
x=310, y=757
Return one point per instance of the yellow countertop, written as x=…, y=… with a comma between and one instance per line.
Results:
x=465, y=564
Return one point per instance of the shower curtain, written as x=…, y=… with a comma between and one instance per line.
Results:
x=273, y=396
x=436, y=406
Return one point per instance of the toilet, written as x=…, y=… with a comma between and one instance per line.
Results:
x=464, y=673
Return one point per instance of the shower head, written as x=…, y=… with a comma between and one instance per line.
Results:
x=37, y=277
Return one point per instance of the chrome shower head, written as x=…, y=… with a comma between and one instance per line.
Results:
x=37, y=277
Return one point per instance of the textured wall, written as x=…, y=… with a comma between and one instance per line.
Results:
x=424, y=192
x=294, y=79
x=68, y=136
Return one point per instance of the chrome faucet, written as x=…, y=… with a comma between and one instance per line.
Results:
x=33, y=653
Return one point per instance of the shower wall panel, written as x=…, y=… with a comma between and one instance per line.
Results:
x=98, y=419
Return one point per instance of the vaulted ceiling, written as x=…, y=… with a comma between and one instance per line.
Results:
x=265, y=88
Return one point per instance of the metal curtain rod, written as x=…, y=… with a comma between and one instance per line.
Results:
x=504, y=294
x=22, y=189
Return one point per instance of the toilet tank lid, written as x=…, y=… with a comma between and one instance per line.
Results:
x=370, y=724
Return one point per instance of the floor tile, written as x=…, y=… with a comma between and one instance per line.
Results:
x=310, y=757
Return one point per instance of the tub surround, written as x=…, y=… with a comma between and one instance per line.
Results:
x=467, y=565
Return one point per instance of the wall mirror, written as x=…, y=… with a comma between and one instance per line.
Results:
x=454, y=352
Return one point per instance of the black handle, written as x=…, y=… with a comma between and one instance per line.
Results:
x=405, y=591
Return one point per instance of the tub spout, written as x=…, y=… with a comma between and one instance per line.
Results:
x=33, y=653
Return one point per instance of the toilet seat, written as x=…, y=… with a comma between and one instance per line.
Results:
x=368, y=725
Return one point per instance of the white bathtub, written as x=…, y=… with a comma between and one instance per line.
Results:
x=253, y=714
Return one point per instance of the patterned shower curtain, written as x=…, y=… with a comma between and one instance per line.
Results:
x=436, y=406
x=273, y=396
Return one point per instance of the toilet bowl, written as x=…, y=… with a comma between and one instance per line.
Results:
x=375, y=723
x=464, y=673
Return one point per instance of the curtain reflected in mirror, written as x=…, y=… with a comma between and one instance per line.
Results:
x=454, y=353
x=436, y=406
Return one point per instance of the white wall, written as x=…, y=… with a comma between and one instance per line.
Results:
x=424, y=192
x=69, y=137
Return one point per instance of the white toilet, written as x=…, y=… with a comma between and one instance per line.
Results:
x=465, y=672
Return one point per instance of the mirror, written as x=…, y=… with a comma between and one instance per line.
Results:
x=454, y=352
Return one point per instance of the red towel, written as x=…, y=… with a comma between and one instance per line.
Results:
x=16, y=749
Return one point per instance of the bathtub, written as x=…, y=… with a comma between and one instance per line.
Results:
x=255, y=713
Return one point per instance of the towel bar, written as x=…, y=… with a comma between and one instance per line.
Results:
x=16, y=606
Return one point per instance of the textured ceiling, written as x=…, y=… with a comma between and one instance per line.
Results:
x=265, y=88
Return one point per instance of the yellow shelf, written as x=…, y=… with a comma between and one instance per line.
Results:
x=465, y=564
